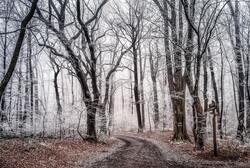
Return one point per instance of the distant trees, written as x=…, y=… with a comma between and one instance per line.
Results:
x=15, y=55
x=181, y=47
x=200, y=29
x=17, y=49
x=83, y=56
x=130, y=23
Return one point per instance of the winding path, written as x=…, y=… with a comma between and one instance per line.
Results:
x=136, y=153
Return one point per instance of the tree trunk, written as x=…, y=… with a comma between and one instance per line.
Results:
x=3, y=116
x=216, y=95
x=19, y=115
x=178, y=98
x=36, y=100
x=142, y=69
x=205, y=83
x=103, y=120
x=111, y=106
x=153, y=71
x=222, y=88
x=248, y=83
x=58, y=103
x=136, y=90
x=31, y=79
x=240, y=69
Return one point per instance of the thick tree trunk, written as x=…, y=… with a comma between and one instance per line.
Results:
x=240, y=69
x=200, y=132
x=180, y=131
x=103, y=120
x=178, y=98
x=91, y=105
x=91, y=121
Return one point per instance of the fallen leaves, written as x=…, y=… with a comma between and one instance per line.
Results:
x=229, y=150
x=30, y=153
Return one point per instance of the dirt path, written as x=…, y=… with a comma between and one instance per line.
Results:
x=136, y=153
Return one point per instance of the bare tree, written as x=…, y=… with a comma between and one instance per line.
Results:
x=84, y=62
x=132, y=28
x=17, y=49
x=176, y=80
x=209, y=14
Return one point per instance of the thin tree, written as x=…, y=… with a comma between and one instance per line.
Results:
x=17, y=49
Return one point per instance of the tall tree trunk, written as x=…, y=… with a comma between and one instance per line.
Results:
x=19, y=100
x=91, y=105
x=36, y=100
x=178, y=99
x=58, y=103
x=142, y=69
x=136, y=89
x=198, y=113
x=111, y=106
x=222, y=87
x=153, y=71
x=240, y=69
x=248, y=83
x=216, y=95
x=131, y=93
x=3, y=116
x=156, y=104
x=31, y=79
x=205, y=83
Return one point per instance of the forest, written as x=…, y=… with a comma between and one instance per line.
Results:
x=124, y=83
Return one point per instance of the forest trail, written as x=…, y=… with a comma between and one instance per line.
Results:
x=136, y=153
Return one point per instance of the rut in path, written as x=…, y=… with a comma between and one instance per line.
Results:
x=136, y=153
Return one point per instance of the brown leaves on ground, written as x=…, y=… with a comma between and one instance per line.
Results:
x=17, y=153
x=228, y=149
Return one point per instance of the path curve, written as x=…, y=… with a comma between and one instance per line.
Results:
x=136, y=153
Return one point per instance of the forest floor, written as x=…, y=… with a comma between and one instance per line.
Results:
x=156, y=150
x=126, y=150
x=48, y=153
x=230, y=152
